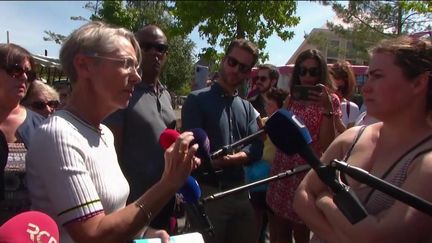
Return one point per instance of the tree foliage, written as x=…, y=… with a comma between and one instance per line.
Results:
x=219, y=22
x=366, y=22
x=133, y=15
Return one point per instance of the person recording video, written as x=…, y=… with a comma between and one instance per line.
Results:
x=312, y=100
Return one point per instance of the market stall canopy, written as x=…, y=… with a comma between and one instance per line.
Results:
x=48, y=68
x=46, y=61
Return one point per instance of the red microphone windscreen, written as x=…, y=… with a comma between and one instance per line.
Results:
x=31, y=226
x=168, y=137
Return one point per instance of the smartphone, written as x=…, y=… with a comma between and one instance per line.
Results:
x=301, y=92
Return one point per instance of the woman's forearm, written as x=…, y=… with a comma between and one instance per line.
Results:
x=305, y=207
x=327, y=131
x=126, y=223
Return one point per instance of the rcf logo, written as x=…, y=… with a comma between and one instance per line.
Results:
x=36, y=235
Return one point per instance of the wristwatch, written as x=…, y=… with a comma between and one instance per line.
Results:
x=328, y=114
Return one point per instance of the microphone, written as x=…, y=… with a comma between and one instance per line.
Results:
x=190, y=190
x=31, y=226
x=203, y=152
x=168, y=137
x=289, y=134
x=191, y=194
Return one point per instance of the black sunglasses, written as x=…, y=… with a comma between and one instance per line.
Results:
x=16, y=71
x=260, y=78
x=40, y=105
x=243, y=68
x=313, y=71
x=159, y=47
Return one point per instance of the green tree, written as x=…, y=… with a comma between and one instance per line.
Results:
x=132, y=15
x=221, y=21
x=364, y=23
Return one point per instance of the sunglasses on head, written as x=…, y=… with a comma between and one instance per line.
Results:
x=159, y=47
x=313, y=71
x=16, y=71
x=40, y=105
x=260, y=78
x=243, y=68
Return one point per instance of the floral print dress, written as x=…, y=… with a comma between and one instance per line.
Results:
x=280, y=194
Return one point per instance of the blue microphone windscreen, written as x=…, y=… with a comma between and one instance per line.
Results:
x=201, y=138
x=287, y=132
x=190, y=190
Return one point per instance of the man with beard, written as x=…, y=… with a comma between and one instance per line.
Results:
x=137, y=128
x=226, y=118
x=267, y=77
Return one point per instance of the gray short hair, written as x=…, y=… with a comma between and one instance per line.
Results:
x=93, y=37
x=38, y=87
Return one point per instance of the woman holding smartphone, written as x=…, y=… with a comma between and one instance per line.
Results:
x=397, y=149
x=319, y=108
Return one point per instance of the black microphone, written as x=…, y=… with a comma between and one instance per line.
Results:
x=203, y=152
x=289, y=134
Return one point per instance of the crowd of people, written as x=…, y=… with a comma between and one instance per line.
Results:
x=93, y=162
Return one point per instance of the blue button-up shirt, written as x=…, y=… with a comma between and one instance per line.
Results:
x=226, y=119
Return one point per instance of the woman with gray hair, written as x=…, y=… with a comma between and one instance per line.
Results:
x=79, y=182
x=41, y=98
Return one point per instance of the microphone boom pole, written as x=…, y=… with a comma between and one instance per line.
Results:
x=293, y=171
x=230, y=148
x=383, y=186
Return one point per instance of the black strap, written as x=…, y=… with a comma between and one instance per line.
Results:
x=360, y=132
x=348, y=108
x=348, y=154
x=390, y=169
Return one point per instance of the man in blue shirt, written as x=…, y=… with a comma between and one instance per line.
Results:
x=227, y=118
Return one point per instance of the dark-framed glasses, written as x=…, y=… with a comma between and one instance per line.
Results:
x=260, y=78
x=243, y=68
x=313, y=71
x=159, y=47
x=16, y=71
x=40, y=105
x=128, y=63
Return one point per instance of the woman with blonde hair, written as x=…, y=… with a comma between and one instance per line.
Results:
x=41, y=98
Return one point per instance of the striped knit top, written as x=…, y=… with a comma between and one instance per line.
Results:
x=72, y=171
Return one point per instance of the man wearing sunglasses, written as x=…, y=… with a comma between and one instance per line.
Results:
x=137, y=128
x=227, y=118
x=267, y=77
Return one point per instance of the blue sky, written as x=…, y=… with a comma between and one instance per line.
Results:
x=27, y=20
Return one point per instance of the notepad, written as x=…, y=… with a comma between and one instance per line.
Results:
x=184, y=238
